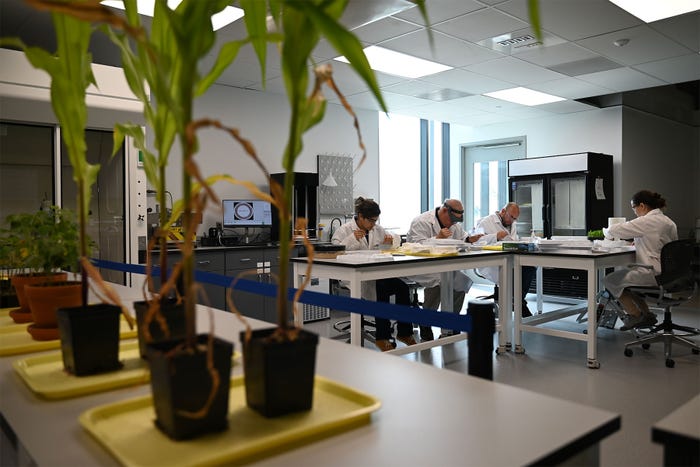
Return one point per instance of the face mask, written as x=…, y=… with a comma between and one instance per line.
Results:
x=452, y=213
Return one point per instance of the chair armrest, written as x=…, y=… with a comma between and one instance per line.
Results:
x=640, y=265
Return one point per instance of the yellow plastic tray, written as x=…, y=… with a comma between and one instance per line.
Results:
x=127, y=430
x=6, y=322
x=14, y=339
x=44, y=374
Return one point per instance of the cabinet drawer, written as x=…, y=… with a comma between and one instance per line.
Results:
x=248, y=259
x=209, y=261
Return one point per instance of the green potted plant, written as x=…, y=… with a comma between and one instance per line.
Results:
x=94, y=326
x=39, y=246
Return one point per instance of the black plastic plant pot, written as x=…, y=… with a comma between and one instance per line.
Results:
x=279, y=376
x=90, y=338
x=181, y=384
x=174, y=315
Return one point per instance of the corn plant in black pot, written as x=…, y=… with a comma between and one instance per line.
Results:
x=89, y=333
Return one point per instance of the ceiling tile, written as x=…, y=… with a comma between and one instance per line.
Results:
x=645, y=45
x=384, y=29
x=622, y=79
x=515, y=70
x=480, y=25
x=684, y=29
x=570, y=88
x=565, y=107
x=447, y=50
x=467, y=81
x=439, y=11
x=556, y=54
x=575, y=19
x=674, y=70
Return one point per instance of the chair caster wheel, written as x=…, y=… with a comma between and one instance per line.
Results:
x=695, y=351
x=628, y=352
x=594, y=364
x=670, y=363
x=646, y=346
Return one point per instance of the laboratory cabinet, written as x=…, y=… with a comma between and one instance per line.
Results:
x=259, y=264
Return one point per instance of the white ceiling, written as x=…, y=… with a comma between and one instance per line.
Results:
x=577, y=60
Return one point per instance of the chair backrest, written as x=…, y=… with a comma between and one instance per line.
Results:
x=676, y=265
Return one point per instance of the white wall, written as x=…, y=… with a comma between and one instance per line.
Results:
x=662, y=155
x=263, y=119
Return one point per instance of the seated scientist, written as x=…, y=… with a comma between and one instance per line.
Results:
x=441, y=222
x=651, y=230
x=498, y=227
x=363, y=233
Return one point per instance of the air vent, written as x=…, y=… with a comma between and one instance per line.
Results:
x=582, y=67
x=520, y=41
x=516, y=40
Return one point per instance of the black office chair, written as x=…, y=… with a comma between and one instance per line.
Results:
x=676, y=285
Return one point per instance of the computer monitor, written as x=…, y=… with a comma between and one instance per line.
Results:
x=246, y=213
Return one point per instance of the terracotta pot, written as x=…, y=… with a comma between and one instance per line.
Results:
x=90, y=338
x=279, y=376
x=19, y=281
x=181, y=382
x=44, y=299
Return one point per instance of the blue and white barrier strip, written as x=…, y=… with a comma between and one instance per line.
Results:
x=385, y=310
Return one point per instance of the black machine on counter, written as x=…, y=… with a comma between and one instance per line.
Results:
x=304, y=203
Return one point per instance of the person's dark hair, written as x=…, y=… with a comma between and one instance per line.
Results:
x=650, y=198
x=367, y=207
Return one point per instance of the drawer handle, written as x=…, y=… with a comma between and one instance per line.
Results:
x=204, y=262
x=244, y=260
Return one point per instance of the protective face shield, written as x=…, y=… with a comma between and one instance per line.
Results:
x=452, y=213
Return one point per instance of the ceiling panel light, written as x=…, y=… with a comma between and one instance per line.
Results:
x=145, y=7
x=524, y=96
x=398, y=64
x=654, y=10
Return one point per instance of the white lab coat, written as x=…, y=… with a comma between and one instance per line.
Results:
x=491, y=225
x=345, y=236
x=426, y=226
x=650, y=232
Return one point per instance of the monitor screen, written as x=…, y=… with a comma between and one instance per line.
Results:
x=247, y=213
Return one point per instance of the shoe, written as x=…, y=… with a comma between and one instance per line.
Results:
x=385, y=345
x=644, y=320
x=408, y=340
x=525, y=313
x=426, y=333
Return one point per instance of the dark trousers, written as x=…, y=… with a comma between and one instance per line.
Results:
x=385, y=289
x=528, y=275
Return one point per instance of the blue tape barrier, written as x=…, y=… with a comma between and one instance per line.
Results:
x=385, y=310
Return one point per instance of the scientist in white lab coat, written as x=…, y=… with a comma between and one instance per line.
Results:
x=363, y=233
x=651, y=230
x=441, y=222
x=500, y=227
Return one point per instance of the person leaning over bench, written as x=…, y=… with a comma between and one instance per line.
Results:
x=363, y=233
x=498, y=227
x=441, y=222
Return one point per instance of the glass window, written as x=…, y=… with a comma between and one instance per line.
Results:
x=399, y=171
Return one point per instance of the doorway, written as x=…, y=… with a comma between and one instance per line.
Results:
x=485, y=175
